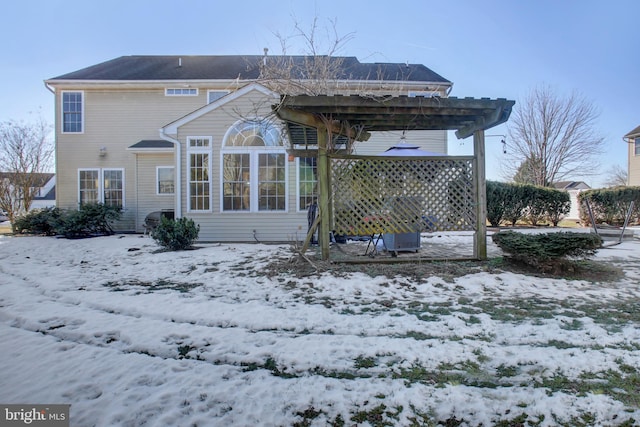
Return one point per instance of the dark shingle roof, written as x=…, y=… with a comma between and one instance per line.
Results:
x=152, y=143
x=244, y=67
x=634, y=133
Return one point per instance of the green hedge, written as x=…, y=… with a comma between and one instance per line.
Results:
x=510, y=203
x=610, y=205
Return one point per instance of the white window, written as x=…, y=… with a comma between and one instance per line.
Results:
x=88, y=186
x=307, y=182
x=72, y=112
x=165, y=180
x=199, y=166
x=174, y=91
x=254, y=174
x=636, y=146
x=214, y=95
x=101, y=186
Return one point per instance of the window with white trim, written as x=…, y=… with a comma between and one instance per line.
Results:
x=165, y=180
x=254, y=174
x=636, y=146
x=307, y=182
x=199, y=166
x=72, y=112
x=177, y=91
x=214, y=95
x=101, y=186
x=88, y=186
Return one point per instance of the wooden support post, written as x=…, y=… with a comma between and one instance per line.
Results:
x=480, y=237
x=323, y=193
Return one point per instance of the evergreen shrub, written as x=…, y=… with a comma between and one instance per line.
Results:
x=176, y=234
x=92, y=219
x=544, y=248
x=38, y=221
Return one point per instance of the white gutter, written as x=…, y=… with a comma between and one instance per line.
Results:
x=46, y=85
x=178, y=159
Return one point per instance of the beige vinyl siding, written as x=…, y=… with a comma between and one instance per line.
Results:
x=379, y=142
x=115, y=119
x=148, y=199
x=238, y=226
x=634, y=165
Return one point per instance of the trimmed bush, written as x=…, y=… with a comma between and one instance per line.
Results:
x=513, y=202
x=496, y=196
x=38, y=221
x=176, y=234
x=545, y=248
x=610, y=205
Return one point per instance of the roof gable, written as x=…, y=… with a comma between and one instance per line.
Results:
x=172, y=128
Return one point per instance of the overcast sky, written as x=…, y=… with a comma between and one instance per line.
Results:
x=492, y=48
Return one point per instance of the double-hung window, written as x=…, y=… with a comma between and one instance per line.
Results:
x=307, y=182
x=636, y=146
x=254, y=168
x=101, y=186
x=72, y=112
x=199, y=188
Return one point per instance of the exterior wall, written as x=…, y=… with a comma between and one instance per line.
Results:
x=633, y=165
x=118, y=117
x=428, y=140
x=147, y=198
x=574, y=213
x=115, y=119
x=238, y=226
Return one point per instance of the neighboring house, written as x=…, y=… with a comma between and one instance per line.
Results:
x=633, y=162
x=46, y=195
x=197, y=135
x=573, y=188
x=44, y=189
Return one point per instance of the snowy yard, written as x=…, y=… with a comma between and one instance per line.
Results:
x=129, y=336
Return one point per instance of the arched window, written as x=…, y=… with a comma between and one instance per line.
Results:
x=254, y=167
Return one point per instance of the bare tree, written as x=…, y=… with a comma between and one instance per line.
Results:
x=555, y=136
x=616, y=176
x=316, y=71
x=25, y=153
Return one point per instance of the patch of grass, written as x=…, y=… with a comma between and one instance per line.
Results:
x=506, y=371
x=148, y=287
x=183, y=351
x=378, y=416
x=362, y=362
x=307, y=415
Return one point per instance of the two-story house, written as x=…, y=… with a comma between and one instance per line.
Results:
x=197, y=135
x=633, y=165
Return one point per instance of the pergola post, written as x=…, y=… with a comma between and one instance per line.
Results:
x=480, y=237
x=323, y=192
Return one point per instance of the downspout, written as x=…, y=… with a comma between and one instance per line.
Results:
x=178, y=160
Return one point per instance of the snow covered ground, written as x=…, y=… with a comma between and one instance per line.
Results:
x=131, y=336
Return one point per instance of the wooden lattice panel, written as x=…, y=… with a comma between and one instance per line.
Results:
x=373, y=195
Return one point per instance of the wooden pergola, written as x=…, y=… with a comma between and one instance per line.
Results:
x=352, y=118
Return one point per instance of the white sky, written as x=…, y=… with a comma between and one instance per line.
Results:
x=495, y=49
